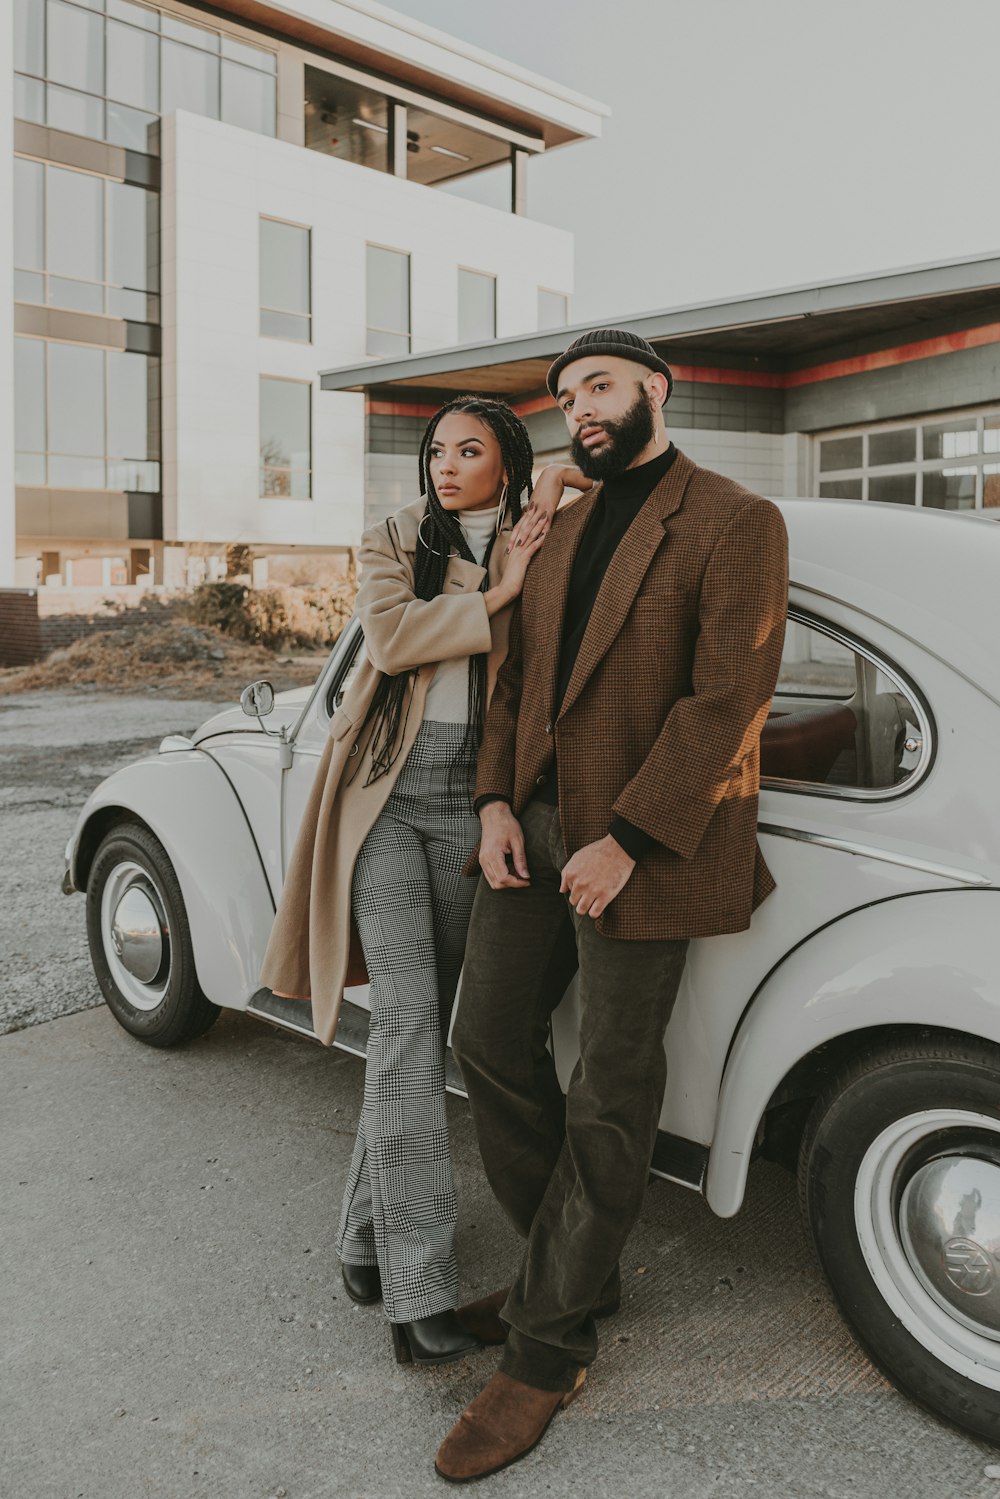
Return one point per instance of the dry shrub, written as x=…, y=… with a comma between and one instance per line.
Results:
x=172, y=657
x=279, y=617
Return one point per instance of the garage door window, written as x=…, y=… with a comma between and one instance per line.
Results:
x=936, y=465
x=843, y=723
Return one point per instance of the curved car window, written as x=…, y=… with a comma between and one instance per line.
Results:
x=346, y=669
x=841, y=720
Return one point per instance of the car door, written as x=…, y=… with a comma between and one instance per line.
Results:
x=848, y=745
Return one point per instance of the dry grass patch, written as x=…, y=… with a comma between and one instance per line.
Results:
x=175, y=658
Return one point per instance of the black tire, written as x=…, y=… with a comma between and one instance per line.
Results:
x=863, y=1136
x=170, y=1008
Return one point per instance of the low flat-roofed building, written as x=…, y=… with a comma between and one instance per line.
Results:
x=883, y=387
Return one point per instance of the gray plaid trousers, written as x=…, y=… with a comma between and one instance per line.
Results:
x=412, y=905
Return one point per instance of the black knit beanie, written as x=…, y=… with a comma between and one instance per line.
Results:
x=614, y=341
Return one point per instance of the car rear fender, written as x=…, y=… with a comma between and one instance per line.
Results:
x=930, y=959
x=185, y=798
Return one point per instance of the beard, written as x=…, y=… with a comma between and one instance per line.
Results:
x=627, y=437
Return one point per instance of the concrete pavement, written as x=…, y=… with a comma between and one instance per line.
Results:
x=174, y=1326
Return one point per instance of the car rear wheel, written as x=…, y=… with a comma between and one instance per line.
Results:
x=140, y=943
x=899, y=1179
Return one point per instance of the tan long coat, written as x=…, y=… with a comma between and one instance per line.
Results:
x=307, y=955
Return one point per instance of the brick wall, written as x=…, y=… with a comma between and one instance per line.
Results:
x=19, y=636
x=35, y=622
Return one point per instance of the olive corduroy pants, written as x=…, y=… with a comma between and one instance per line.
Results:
x=571, y=1174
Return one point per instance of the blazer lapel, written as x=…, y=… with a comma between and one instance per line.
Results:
x=625, y=573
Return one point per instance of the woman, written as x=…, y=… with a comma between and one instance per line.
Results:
x=390, y=819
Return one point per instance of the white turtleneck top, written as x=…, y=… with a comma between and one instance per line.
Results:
x=448, y=695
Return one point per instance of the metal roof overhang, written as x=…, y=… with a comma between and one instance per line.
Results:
x=775, y=331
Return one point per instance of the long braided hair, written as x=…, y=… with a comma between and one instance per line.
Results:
x=439, y=537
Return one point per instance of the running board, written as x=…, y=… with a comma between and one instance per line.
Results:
x=352, y=1029
x=674, y=1158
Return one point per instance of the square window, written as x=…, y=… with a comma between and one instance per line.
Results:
x=840, y=452
x=892, y=447
x=285, y=439
x=477, y=307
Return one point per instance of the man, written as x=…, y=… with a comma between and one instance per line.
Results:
x=617, y=791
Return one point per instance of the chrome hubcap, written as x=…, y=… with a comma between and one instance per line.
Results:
x=949, y=1217
x=927, y=1212
x=135, y=935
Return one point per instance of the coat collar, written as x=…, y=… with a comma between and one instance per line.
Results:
x=622, y=580
x=408, y=519
x=406, y=522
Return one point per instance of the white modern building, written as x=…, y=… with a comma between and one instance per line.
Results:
x=211, y=205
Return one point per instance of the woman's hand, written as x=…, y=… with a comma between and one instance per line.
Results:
x=536, y=519
x=515, y=565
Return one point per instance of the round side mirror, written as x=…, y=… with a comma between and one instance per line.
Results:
x=257, y=700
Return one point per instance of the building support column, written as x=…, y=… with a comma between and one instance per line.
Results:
x=397, y=139
x=518, y=180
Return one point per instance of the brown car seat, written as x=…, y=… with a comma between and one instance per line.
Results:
x=803, y=746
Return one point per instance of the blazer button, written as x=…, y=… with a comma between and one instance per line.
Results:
x=541, y=780
x=548, y=727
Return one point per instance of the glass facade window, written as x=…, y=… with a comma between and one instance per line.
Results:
x=477, y=307
x=190, y=80
x=133, y=67
x=85, y=418
x=553, y=309
x=75, y=47
x=285, y=292
x=29, y=37
x=85, y=242
x=346, y=120
x=285, y=439
x=110, y=76
x=916, y=464
x=388, y=301
x=248, y=98
x=438, y=150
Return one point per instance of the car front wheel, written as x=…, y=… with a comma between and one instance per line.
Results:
x=899, y=1179
x=140, y=943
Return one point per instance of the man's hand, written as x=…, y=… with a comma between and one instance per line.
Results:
x=595, y=874
x=502, y=836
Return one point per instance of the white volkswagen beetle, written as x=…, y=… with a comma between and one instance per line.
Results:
x=853, y=1031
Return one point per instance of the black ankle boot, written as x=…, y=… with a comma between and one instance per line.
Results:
x=362, y=1283
x=432, y=1340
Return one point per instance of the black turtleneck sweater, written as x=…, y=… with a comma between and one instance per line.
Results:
x=618, y=504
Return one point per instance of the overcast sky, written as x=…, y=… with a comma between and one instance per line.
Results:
x=757, y=143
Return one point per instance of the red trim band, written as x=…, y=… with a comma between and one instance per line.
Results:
x=697, y=374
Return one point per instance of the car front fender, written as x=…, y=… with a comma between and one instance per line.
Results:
x=930, y=959
x=185, y=798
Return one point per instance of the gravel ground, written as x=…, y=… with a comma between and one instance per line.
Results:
x=54, y=749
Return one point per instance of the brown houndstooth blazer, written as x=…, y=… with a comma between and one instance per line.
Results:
x=662, y=717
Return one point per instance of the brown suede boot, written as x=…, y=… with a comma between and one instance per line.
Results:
x=506, y=1421
x=482, y=1318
